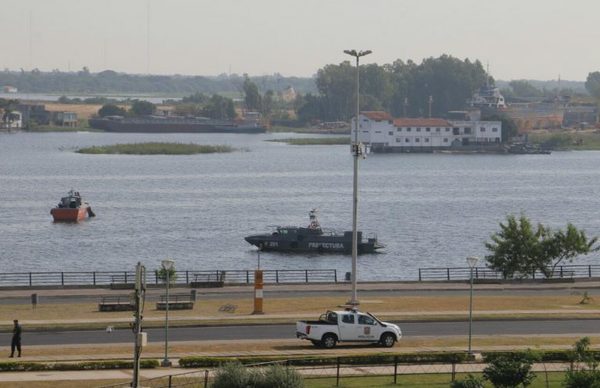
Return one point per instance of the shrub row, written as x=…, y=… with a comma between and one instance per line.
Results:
x=549, y=355
x=88, y=365
x=371, y=359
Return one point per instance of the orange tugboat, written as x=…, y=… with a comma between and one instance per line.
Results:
x=71, y=208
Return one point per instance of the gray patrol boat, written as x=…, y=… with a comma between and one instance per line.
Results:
x=312, y=239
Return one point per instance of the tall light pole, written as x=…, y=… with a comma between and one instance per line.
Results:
x=472, y=261
x=357, y=152
x=167, y=266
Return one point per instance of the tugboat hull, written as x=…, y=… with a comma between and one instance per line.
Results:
x=69, y=215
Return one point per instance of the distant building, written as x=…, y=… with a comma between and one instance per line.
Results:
x=289, y=94
x=9, y=89
x=65, y=119
x=34, y=113
x=383, y=133
x=581, y=116
x=11, y=120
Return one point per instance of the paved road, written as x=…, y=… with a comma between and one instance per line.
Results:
x=258, y=332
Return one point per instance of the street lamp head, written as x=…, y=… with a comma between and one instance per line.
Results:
x=357, y=54
x=472, y=261
x=167, y=264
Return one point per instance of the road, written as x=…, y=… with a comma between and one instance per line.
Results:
x=258, y=332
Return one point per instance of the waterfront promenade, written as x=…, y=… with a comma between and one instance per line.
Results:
x=306, y=295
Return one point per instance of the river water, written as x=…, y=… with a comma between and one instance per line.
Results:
x=429, y=210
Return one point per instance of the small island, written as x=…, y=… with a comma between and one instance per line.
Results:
x=155, y=148
x=315, y=141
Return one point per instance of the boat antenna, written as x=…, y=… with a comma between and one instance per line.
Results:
x=314, y=222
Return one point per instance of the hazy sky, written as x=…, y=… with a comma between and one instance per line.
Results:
x=536, y=39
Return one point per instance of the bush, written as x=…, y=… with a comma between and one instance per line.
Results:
x=90, y=365
x=278, y=376
x=583, y=372
x=469, y=382
x=232, y=375
x=509, y=371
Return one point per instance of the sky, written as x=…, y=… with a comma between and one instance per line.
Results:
x=519, y=39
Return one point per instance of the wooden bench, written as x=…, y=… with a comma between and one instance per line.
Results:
x=208, y=280
x=116, y=303
x=176, y=302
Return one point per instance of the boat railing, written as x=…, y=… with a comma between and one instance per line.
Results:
x=182, y=278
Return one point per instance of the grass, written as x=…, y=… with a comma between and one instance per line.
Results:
x=155, y=148
x=414, y=380
x=568, y=140
x=315, y=141
x=289, y=309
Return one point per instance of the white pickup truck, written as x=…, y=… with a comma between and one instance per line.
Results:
x=349, y=325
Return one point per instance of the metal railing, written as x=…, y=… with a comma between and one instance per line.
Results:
x=485, y=273
x=108, y=278
x=398, y=372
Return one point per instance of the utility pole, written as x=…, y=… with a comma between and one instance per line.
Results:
x=405, y=105
x=430, y=103
x=140, y=338
x=357, y=151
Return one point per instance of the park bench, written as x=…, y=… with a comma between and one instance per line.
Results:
x=208, y=280
x=116, y=303
x=176, y=302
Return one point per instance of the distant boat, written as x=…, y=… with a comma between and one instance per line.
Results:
x=71, y=208
x=312, y=239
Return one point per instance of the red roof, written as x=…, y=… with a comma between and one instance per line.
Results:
x=377, y=115
x=403, y=122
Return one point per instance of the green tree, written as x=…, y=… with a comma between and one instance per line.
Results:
x=267, y=103
x=583, y=372
x=142, y=108
x=560, y=246
x=519, y=248
x=219, y=107
x=592, y=84
x=515, y=247
x=251, y=95
x=111, y=110
x=522, y=88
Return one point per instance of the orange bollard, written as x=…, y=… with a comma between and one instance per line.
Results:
x=258, y=292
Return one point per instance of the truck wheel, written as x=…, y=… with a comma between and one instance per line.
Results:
x=387, y=340
x=317, y=344
x=329, y=341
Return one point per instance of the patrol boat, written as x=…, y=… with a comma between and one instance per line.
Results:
x=71, y=208
x=312, y=239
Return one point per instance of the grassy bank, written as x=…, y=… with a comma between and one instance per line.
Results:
x=315, y=141
x=156, y=149
x=572, y=140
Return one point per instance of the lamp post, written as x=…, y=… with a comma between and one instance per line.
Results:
x=167, y=265
x=357, y=152
x=472, y=261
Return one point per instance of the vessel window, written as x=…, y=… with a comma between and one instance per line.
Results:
x=445, y=140
x=391, y=133
x=348, y=318
x=426, y=140
x=408, y=129
x=437, y=129
x=417, y=139
x=467, y=130
x=377, y=131
x=427, y=129
x=494, y=129
x=399, y=129
x=482, y=129
x=418, y=129
x=447, y=129
x=406, y=140
x=398, y=139
x=389, y=121
x=365, y=131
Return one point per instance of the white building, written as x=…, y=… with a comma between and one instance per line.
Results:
x=385, y=134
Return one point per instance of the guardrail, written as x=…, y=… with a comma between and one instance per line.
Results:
x=108, y=278
x=485, y=273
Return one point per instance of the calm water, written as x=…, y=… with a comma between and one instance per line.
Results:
x=430, y=210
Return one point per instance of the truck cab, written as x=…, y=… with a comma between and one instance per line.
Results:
x=348, y=326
